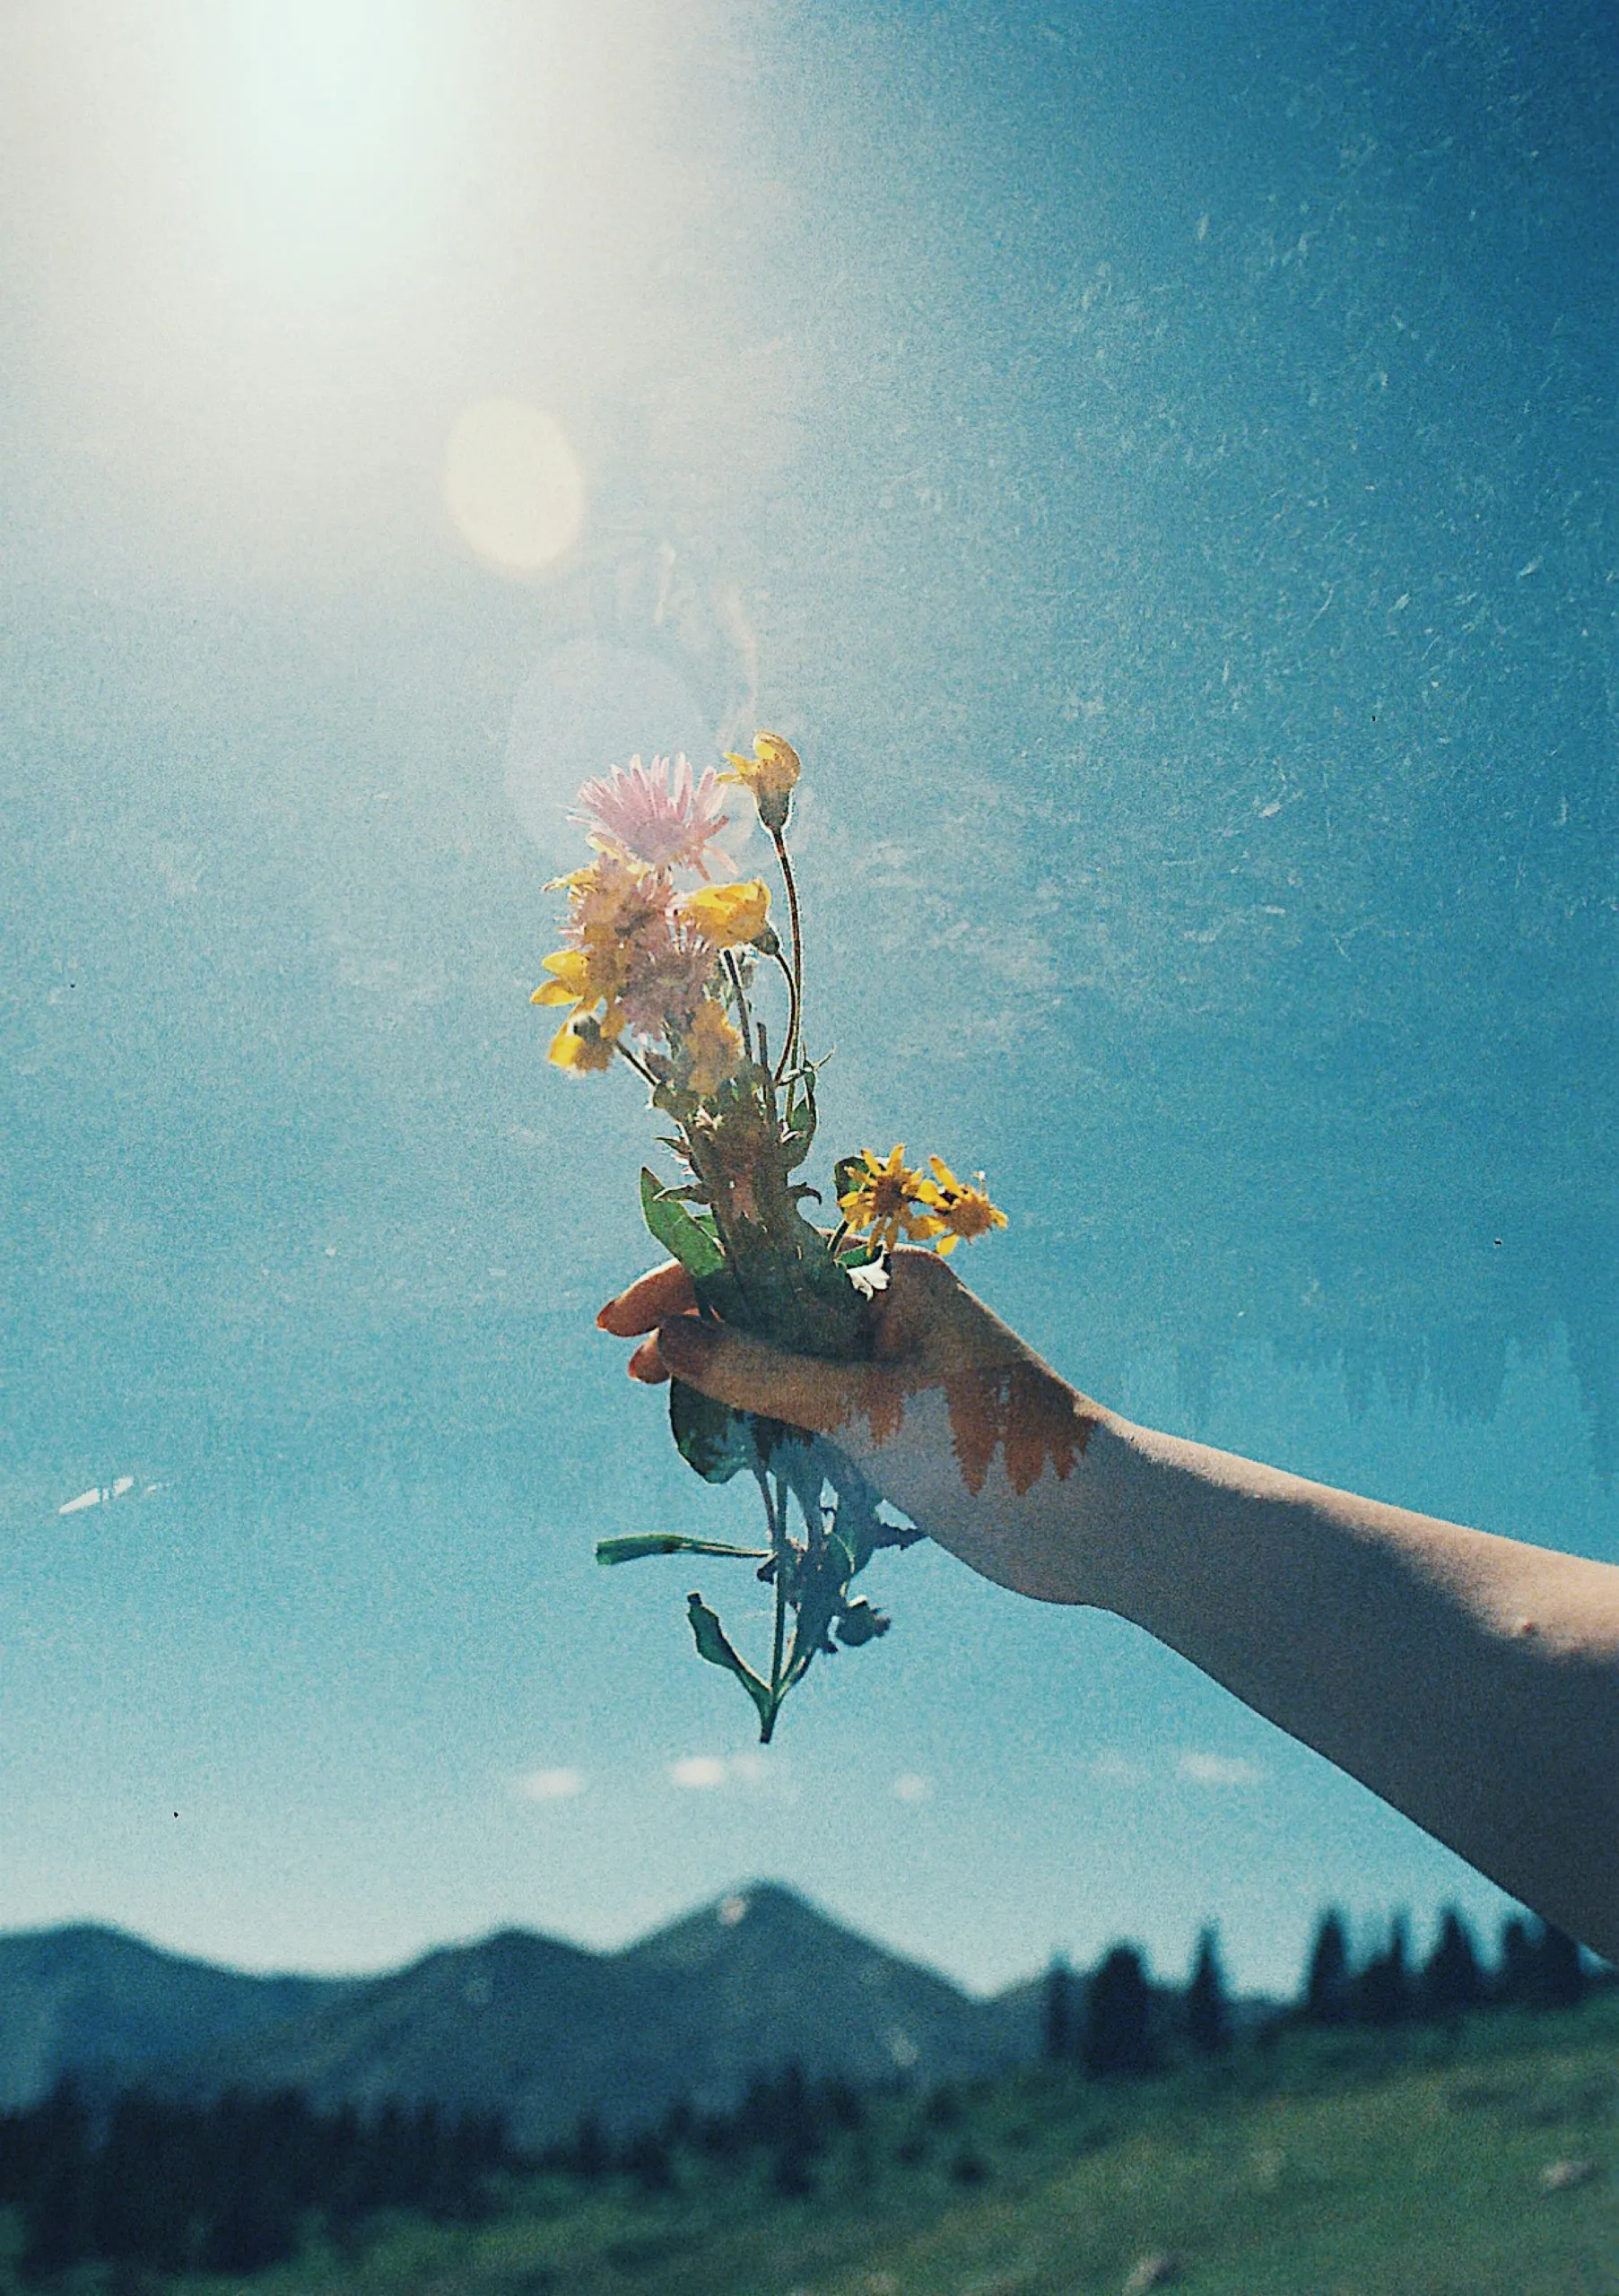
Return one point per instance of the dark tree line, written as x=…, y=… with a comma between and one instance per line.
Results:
x=239, y=2185
x=1108, y=2023
x=784, y=2118
x=782, y=2132
x=1538, y=1968
x=230, y=2186
x=1114, y=2024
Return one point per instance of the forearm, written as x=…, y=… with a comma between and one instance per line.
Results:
x=1473, y=1681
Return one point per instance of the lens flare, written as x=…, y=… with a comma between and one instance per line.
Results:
x=513, y=485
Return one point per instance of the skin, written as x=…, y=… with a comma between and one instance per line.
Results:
x=1471, y=1681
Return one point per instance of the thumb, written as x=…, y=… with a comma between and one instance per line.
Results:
x=750, y=1375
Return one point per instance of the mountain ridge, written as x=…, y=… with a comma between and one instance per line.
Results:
x=535, y=2027
x=96, y=2002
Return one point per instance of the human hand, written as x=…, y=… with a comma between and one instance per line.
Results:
x=953, y=1418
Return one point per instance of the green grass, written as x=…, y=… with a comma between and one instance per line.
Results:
x=1328, y=2166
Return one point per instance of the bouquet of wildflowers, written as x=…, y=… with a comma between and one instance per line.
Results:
x=663, y=968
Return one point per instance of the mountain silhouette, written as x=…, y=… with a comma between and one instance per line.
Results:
x=102, y=2006
x=540, y=2030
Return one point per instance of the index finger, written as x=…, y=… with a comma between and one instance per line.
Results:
x=653, y=1299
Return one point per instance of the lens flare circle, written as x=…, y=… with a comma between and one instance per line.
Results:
x=513, y=485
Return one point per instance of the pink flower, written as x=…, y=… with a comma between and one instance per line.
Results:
x=613, y=900
x=668, y=973
x=656, y=817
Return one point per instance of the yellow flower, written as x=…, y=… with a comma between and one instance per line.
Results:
x=963, y=1214
x=584, y=1045
x=582, y=977
x=591, y=975
x=711, y=1050
x=887, y=1202
x=727, y=917
x=769, y=777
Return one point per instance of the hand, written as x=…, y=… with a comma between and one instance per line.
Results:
x=954, y=1419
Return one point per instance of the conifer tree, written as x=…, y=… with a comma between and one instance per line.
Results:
x=56, y=2210
x=589, y=2156
x=1381, y=1994
x=798, y=2137
x=1326, y=1980
x=1207, y=2012
x=650, y=2161
x=1117, y=2038
x=1452, y=1981
x=1516, y=1972
x=1060, y=2022
x=1560, y=1973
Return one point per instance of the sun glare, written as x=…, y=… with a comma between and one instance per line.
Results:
x=326, y=112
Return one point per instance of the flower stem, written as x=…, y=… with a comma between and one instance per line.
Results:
x=640, y=1067
x=792, y=1017
x=734, y=970
x=789, y=1051
x=777, y=1515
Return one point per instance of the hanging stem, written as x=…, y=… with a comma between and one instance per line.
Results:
x=791, y=1048
x=775, y=1515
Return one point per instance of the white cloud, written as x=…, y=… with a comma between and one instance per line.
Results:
x=698, y=1773
x=551, y=1785
x=910, y=1787
x=1218, y=1770
x=752, y=1772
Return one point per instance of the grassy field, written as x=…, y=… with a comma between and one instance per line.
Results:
x=1481, y=2163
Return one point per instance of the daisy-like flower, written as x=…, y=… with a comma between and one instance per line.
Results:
x=710, y=1051
x=963, y=1214
x=769, y=777
x=656, y=816
x=613, y=900
x=668, y=972
x=727, y=917
x=888, y=1202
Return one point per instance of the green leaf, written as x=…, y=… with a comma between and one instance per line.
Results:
x=721, y=1295
x=710, y=1435
x=638, y=1544
x=684, y=1239
x=795, y=1144
x=713, y=1644
x=820, y=1588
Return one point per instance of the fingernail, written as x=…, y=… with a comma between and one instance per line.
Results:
x=686, y=1343
x=604, y=1313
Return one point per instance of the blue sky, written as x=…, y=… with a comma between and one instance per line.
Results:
x=1156, y=466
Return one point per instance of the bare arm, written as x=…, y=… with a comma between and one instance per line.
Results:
x=1472, y=1681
